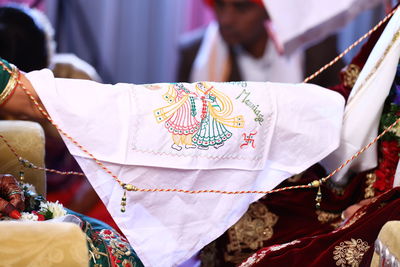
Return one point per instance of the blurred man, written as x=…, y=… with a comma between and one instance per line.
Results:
x=239, y=46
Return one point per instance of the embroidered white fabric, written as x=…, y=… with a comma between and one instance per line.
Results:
x=130, y=128
x=364, y=107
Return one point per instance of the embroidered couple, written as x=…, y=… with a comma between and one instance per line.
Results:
x=191, y=128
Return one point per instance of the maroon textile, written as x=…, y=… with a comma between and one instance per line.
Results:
x=283, y=217
x=349, y=74
x=350, y=245
x=291, y=215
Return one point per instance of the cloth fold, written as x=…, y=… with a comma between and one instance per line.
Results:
x=367, y=97
x=262, y=133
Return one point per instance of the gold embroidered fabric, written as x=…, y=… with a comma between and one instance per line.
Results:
x=369, y=190
x=42, y=244
x=350, y=75
x=350, y=252
x=325, y=217
x=250, y=232
x=27, y=138
x=12, y=82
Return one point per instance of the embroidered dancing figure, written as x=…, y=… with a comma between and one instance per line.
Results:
x=215, y=112
x=179, y=116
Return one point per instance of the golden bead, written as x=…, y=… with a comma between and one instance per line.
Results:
x=122, y=209
x=22, y=175
x=130, y=187
x=315, y=183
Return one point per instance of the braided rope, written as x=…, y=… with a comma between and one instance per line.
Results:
x=9, y=146
x=28, y=164
x=133, y=188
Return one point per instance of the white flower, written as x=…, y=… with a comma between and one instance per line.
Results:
x=55, y=208
x=28, y=187
x=26, y=216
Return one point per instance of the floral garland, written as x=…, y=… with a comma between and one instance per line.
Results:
x=37, y=208
x=389, y=149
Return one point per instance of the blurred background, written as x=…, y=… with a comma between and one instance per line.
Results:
x=136, y=40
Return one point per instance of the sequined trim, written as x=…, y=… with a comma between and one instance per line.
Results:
x=350, y=252
x=279, y=247
x=257, y=257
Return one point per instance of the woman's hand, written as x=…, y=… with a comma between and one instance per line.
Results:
x=349, y=212
x=11, y=197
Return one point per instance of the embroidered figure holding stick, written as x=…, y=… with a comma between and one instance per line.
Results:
x=179, y=116
x=216, y=109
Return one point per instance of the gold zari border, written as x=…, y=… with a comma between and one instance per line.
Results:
x=12, y=82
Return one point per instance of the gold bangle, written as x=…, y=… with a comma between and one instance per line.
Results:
x=14, y=193
x=11, y=85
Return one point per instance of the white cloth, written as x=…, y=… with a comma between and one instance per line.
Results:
x=272, y=66
x=212, y=62
x=293, y=127
x=298, y=23
x=364, y=107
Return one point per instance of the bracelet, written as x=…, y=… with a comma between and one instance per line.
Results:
x=11, y=84
x=14, y=193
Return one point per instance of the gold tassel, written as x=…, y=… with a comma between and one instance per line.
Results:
x=21, y=175
x=126, y=187
x=123, y=201
x=318, y=198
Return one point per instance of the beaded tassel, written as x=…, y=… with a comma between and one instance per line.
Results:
x=123, y=201
x=126, y=187
x=318, y=198
x=21, y=175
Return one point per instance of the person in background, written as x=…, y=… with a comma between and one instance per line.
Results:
x=238, y=46
x=28, y=41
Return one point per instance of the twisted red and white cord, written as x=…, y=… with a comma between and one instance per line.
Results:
x=130, y=187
